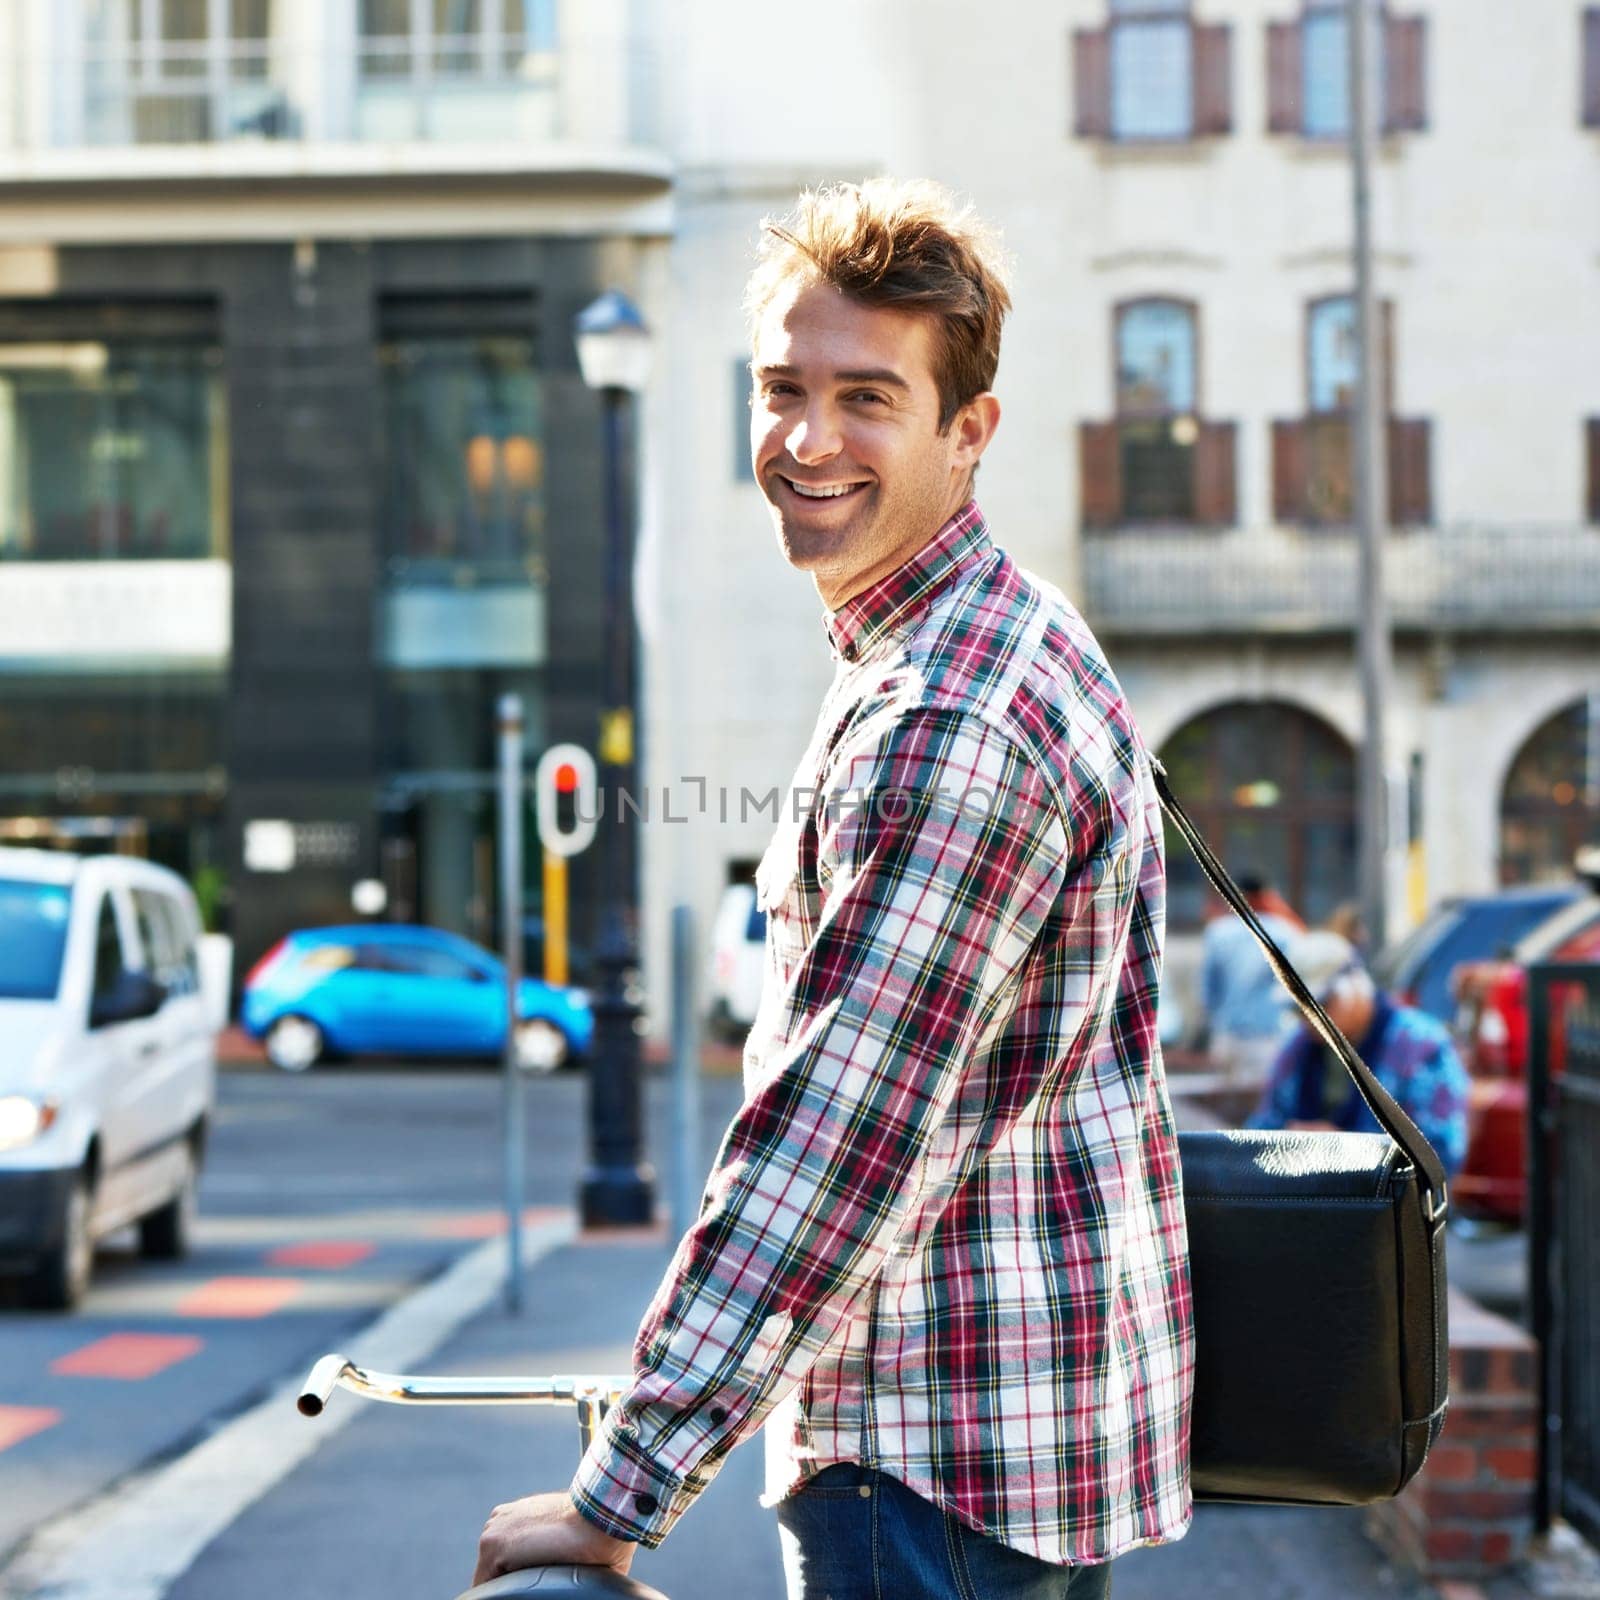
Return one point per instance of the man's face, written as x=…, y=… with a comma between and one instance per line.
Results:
x=844, y=432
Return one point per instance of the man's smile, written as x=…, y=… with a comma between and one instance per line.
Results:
x=821, y=491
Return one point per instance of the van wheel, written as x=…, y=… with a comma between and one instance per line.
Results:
x=295, y=1044
x=61, y=1278
x=167, y=1233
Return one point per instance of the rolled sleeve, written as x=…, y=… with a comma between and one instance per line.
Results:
x=941, y=854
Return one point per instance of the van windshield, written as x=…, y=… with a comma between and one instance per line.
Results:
x=33, y=934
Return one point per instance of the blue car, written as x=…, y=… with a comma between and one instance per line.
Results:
x=391, y=989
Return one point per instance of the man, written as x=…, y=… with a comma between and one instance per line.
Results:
x=1247, y=1009
x=1410, y=1054
x=942, y=1254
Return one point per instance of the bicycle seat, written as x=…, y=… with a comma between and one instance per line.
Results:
x=550, y=1583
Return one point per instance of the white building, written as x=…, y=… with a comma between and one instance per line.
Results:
x=1172, y=181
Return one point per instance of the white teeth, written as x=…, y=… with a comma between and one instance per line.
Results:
x=820, y=493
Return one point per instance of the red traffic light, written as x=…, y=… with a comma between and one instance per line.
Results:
x=566, y=778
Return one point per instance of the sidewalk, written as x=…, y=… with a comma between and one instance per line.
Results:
x=390, y=1508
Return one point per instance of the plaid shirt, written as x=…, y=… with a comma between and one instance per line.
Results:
x=944, y=1235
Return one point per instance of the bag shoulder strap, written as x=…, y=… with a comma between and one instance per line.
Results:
x=1380, y=1102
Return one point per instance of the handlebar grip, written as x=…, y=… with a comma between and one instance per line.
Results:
x=319, y=1387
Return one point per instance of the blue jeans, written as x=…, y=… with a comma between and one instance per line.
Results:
x=854, y=1533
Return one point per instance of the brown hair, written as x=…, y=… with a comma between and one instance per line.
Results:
x=909, y=246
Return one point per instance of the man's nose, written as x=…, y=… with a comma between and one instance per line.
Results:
x=815, y=437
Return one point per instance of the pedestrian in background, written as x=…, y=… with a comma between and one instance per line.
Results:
x=1410, y=1053
x=942, y=1255
x=1248, y=1014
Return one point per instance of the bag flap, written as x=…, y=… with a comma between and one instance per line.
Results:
x=1247, y=1163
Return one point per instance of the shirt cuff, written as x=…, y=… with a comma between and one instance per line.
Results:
x=626, y=1494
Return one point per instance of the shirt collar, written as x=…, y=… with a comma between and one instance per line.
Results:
x=867, y=617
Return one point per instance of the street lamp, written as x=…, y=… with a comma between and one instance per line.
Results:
x=618, y=1188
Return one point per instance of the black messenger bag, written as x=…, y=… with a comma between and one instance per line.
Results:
x=1317, y=1270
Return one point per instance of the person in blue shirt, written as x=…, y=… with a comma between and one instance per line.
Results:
x=1409, y=1052
x=1247, y=1012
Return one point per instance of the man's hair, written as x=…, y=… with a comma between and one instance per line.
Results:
x=906, y=246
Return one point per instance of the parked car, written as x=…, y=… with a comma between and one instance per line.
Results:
x=398, y=989
x=1492, y=1029
x=1417, y=970
x=107, y=1064
x=738, y=956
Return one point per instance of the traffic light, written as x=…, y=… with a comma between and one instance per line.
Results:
x=566, y=805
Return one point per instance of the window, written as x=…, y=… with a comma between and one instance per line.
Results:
x=177, y=71
x=1308, y=73
x=169, y=952
x=1313, y=456
x=1151, y=73
x=483, y=70
x=1152, y=85
x=1273, y=789
x=1157, y=462
x=464, y=480
x=1550, y=806
x=108, y=966
x=33, y=937
x=1591, y=432
x=428, y=961
x=111, y=451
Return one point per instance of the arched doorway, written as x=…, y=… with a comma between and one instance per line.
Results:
x=1273, y=788
x=1550, y=806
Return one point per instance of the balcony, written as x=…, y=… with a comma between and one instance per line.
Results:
x=317, y=103
x=1153, y=584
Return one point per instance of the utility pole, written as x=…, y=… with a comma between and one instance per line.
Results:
x=1369, y=447
x=508, y=724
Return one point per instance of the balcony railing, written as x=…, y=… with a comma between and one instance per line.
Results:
x=502, y=90
x=1498, y=579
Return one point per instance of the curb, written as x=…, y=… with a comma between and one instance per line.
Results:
x=137, y=1539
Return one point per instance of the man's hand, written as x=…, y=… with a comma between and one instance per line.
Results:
x=545, y=1530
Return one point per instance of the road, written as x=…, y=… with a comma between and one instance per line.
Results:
x=325, y=1199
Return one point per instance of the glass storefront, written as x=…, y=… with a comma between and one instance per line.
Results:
x=112, y=451
x=463, y=492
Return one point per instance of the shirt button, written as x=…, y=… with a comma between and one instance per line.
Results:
x=644, y=1504
x=718, y=1416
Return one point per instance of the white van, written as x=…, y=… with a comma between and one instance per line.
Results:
x=738, y=962
x=107, y=1064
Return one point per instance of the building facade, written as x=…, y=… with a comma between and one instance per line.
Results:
x=297, y=470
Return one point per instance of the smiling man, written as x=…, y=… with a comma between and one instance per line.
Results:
x=941, y=1258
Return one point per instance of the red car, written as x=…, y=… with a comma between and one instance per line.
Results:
x=1492, y=1032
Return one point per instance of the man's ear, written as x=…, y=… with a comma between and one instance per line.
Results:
x=973, y=428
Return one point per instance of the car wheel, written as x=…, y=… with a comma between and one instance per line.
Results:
x=167, y=1233
x=540, y=1046
x=61, y=1278
x=295, y=1044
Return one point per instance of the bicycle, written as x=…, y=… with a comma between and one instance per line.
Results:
x=591, y=1396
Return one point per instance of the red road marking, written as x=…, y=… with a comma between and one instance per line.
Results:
x=329, y=1254
x=22, y=1422
x=487, y=1224
x=239, y=1297
x=128, y=1355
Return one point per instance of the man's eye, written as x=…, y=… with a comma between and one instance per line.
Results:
x=868, y=395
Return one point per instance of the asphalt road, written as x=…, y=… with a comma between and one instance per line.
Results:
x=325, y=1199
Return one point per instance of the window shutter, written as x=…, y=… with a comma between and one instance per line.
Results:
x=1285, y=100
x=1091, y=79
x=1289, y=471
x=1216, y=499
x=1410, y=489
x=1100, y=474
x=1405, y=106
x=1591, y=67
x=1213, y=80
x=1593, y=430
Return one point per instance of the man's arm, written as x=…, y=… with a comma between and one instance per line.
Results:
x=940, y=856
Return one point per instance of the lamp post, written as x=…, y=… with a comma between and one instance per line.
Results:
x=617, y=1188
